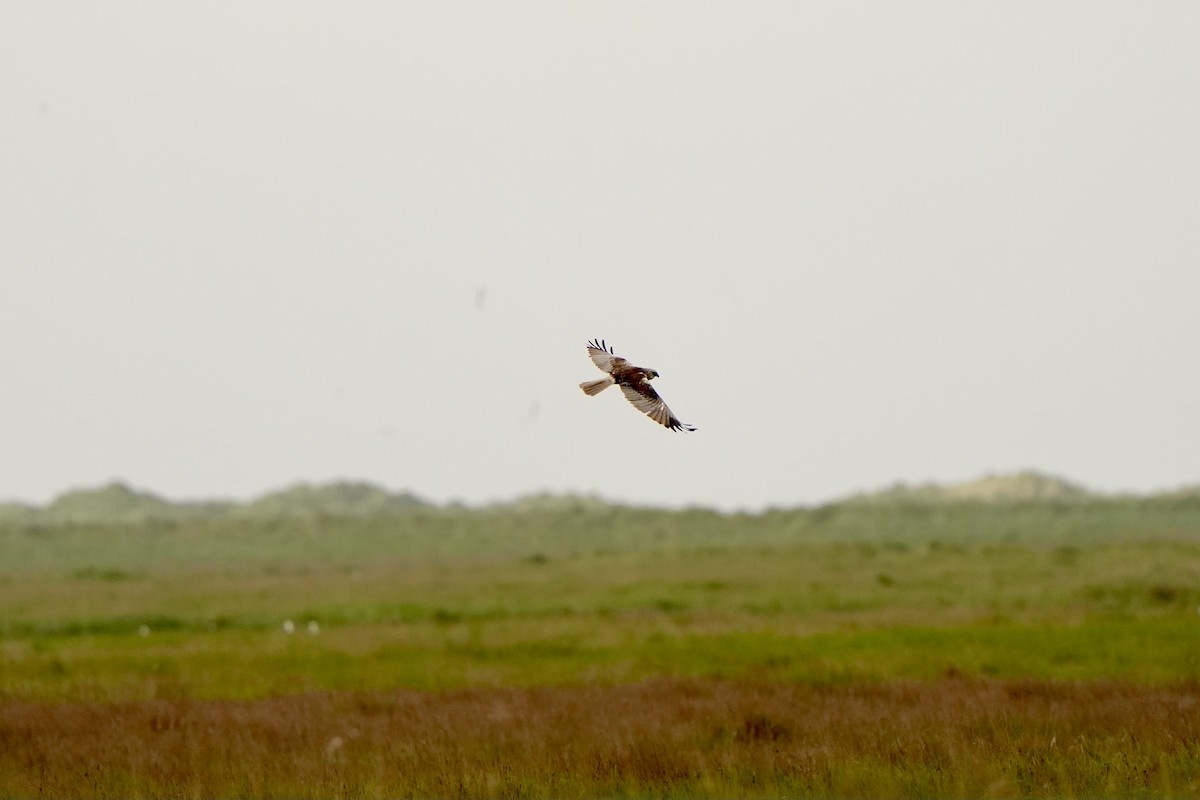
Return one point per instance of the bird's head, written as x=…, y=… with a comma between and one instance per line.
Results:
x=651, y=374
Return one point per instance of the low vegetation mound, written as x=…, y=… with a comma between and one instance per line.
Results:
x=1020, y=487
x=342, y=498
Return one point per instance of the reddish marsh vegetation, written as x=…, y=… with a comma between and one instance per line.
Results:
x=952, y=737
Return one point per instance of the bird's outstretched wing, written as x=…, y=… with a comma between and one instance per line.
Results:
x=646, y=400
x=602, y=356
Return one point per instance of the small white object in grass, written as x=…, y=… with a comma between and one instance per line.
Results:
x=313, y=627
x=289, y=626
x=143, y=630
x=332, y=747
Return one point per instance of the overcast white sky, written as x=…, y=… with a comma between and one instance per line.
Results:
x=246, y=244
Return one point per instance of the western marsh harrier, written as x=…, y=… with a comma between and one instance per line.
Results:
x=634, y=382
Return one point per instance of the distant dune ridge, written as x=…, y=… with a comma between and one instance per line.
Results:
x=119, y=502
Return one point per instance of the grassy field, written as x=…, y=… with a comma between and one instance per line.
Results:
x=963, y=650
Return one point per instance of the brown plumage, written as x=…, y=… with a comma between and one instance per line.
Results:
x=634, y=383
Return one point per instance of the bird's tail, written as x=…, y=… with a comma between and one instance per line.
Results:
x=597, y=386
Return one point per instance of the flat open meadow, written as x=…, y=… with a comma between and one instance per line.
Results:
x=965, y=650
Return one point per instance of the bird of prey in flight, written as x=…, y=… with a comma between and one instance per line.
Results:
x=634, y=382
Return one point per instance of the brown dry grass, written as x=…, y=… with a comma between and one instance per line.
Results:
x=670, y=737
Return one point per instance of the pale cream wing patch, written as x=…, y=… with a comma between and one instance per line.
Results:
x=649, y=403
x=602, y=356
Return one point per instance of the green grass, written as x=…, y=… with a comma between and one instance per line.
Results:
x=820, y=612
x=245, y=663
